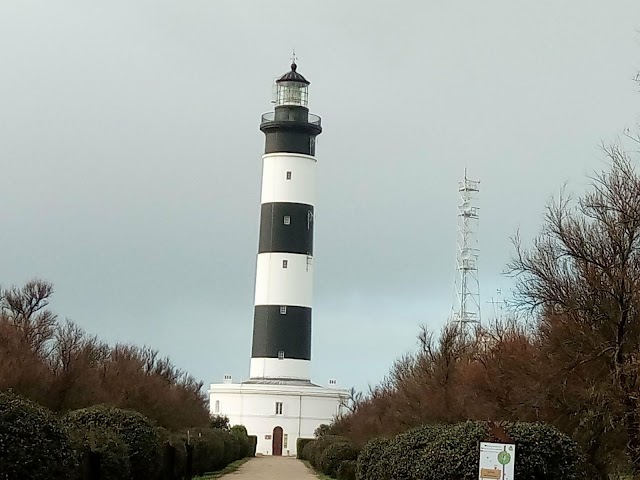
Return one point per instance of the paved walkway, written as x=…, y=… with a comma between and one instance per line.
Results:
x=272, y=468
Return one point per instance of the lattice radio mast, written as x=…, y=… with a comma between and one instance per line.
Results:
x=466, y=304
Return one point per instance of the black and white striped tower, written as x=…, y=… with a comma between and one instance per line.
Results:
x=284, y=273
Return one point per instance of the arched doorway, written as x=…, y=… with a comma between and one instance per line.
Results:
x=276, y=441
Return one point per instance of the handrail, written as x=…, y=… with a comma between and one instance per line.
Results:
x=271, y=117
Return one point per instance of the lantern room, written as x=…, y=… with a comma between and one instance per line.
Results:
x=292, y=89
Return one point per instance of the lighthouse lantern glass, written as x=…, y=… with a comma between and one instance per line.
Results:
x=293, y=93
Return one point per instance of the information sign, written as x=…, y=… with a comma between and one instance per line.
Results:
x=497, y=461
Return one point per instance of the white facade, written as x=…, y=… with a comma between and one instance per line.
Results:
x=301, y=409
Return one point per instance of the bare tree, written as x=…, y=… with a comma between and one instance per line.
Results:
x=352, y=402
x=63, y=368
x=582, y=276
x=25, y=308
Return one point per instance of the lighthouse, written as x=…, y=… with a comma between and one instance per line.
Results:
x=278, y=402
x=284, y=272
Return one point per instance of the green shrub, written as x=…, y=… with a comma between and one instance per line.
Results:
x=333, y=455
x=322, y=430
x=108, y=445
x=372, y=461
x=451, y=452
x=219, y=421
x=319, y=445
x=307, y=450
x=213, y=449
x=300, y=444
x=137, y=432
x=253, y=445
x=347, y=470
x=542, y=451
x=34, y=444
x=240, y=433
x=178, y=441
x=231, y=447
x=403, y=455
x=208, y=450
x=239, y=430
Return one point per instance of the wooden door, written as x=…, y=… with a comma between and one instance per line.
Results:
x=276, y=441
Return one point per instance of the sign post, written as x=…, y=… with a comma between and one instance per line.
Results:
x=497, y=461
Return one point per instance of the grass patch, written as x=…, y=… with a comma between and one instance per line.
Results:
x=232, y=467
x=321, y=476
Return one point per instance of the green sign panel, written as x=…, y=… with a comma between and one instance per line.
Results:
x=504, y=458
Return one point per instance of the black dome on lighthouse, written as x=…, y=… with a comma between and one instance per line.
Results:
x=293, y=76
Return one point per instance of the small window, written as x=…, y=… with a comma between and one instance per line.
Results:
x=285, y=441
x=217, y=409
x=285, y=263
x=288, y=175
x=278, y=408
x=281, y=355
x=332, y=381
x=283, y=310
x=287, y=220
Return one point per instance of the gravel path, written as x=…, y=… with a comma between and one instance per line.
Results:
x=272, y=468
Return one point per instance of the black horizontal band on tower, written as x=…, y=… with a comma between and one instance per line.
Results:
x=288, y=140
x=294, y=237
x=289, y=129
x=274, y=332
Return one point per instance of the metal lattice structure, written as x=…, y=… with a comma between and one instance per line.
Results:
x=466, y=305
x=499, y=305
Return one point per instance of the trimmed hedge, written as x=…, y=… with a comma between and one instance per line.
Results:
x=213, y=449
x=240, y=432
x=137, y=432
x=319, y=445
x=232, y=447
x=542, y=451
x=347, y=470
x=307, y=450
x=108, y=445
x=34, y=444
x=253, y=445
x=332, y=456
x=122, y=444
x=403, y=456
x=208, y=450
x=451, y=452
x=300, y=444
x=372, y=461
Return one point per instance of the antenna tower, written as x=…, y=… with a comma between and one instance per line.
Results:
x=499, y=304
x=466, y=305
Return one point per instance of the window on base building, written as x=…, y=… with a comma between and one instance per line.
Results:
x=288, y=175
x=285, y=263
x=285, y=441
x=217, y=409
x=278, y=408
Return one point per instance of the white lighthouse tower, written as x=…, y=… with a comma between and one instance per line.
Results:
x=278, y=402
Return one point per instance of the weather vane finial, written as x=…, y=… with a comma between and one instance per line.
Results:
x=293, y=57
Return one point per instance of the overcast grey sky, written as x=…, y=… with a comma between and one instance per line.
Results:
x=130, y=156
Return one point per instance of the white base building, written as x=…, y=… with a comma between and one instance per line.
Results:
x=278, y=412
